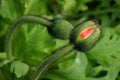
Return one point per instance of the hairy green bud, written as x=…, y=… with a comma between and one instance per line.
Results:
x=85, y=35
x=60, y=28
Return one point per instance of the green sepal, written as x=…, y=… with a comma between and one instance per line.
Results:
x=89, y=42
x=60, y=28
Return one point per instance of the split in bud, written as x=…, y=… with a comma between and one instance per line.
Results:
x=85, y=35
x=87, y=32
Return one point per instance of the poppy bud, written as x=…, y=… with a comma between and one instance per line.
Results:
x=60, y=28
x=85, y=35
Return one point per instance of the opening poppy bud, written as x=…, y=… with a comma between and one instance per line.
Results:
x=85, y=35
x=60, y=29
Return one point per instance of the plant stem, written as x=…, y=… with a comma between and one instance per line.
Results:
x=13, y=28
x=96, y=12
x=51, y=59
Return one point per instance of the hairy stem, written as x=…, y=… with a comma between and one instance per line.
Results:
x=17, y=23
x=51, y=59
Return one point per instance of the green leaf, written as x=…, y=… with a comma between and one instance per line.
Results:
x=40, y=9
x=3, y=55
x=105, y=3
x=107, y=54
x=81, y=5
x=5, y=62
x=77, y=69
x=110, y=49
x=105, y=21
x=117, y=2
x=71, y=69
x=19, y=69
x=11, y=9
x=34, y=44
x=70, y=6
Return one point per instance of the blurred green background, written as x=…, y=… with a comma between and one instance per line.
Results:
x=32, y=42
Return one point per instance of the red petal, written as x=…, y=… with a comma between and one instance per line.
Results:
x=87, y=32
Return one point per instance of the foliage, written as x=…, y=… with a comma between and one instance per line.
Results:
x=32, y=42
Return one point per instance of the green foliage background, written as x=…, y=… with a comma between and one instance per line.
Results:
x=32, y=42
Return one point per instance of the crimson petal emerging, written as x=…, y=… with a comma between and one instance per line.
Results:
x=85, y=35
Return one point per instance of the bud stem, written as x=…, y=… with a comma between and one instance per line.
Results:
x=51, y=59
x=13, y=28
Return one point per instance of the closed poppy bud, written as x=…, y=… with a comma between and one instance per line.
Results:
x=60, y=28
x=85, y=35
